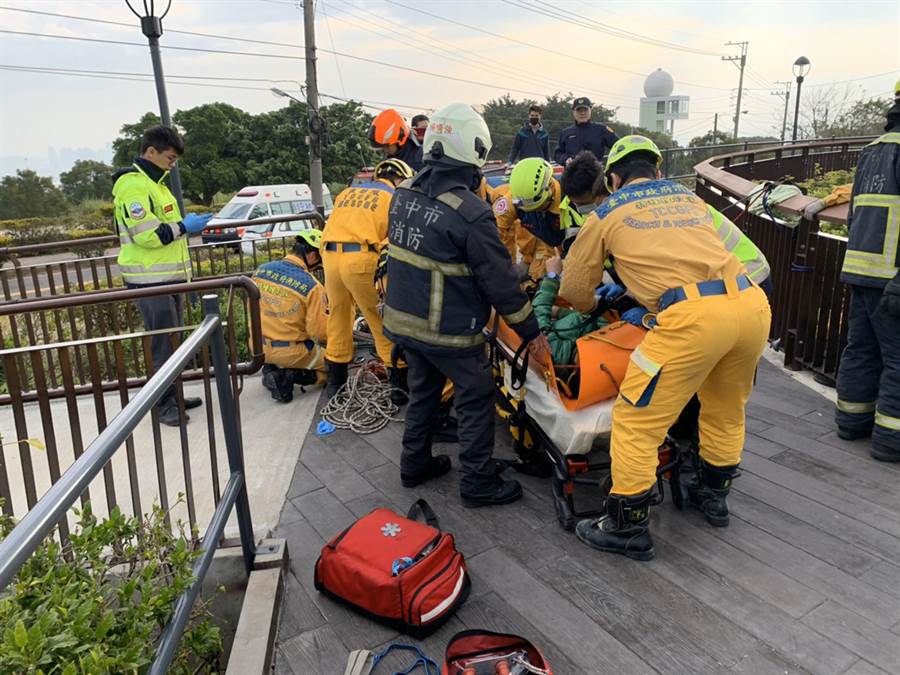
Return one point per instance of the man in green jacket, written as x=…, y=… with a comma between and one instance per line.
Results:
x=153, y=236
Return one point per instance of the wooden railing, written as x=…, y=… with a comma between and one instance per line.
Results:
x=810, y=303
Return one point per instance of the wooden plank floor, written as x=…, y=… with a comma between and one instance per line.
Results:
x=805, y=580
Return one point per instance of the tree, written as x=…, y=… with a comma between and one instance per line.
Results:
x=841, y=111
x=87, y=179
x=710, y=138
x=27, y=195
x=863, y=118
x=128, y=145
x=211, y=162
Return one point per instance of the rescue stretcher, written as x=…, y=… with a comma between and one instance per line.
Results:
x=563, y=430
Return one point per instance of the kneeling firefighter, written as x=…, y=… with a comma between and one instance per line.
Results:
x=293, y=318
x=355, y=236
x=710, y=331
x=446, y=270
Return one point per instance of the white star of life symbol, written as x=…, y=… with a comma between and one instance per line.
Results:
x=390, y=529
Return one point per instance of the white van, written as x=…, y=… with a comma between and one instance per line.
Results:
x=261, y=201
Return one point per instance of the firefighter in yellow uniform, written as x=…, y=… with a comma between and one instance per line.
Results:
x=527, y=214
x=709, y=331
x=354, y=237
x=293, y=317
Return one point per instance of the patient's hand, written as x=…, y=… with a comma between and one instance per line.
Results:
x=539, y=349
x=554, y=265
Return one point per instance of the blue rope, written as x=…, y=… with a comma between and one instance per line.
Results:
x=421, y=660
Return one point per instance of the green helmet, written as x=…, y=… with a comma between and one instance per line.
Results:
x=529, y=183
x=458, y=133
x=624, y=147
x=311, y=237
x=897, y=89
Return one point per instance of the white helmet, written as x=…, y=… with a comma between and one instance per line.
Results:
x=457, y=132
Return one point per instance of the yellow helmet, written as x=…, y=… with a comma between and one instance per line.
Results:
x=624, y=147
x=392, y=166
x=897, y=89
x=312, y=237
x=529, y=183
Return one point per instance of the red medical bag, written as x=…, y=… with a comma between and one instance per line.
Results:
x=396, y=570
x=481, y=652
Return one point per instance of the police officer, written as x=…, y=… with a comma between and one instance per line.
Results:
x=527, y=213
x=153, y=237
x=293, y=318
x=447, y=269
x=390, y=132
x=868, y=383
x=710, y=331
x=583, y=135
x=355, y=235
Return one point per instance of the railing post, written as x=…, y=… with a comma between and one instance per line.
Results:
x=232, y=434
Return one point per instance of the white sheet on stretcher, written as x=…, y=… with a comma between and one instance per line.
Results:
x=573, y=432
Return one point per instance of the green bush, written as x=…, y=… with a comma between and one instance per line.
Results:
x=99, y=603
x=199, y=208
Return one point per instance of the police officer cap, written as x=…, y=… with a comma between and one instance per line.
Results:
x=581, y=102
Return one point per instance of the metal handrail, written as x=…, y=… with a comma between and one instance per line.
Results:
x=40, y=521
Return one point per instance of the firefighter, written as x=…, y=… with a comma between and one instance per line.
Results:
x=868, y=383
x=583, y=135
x=390, y=132
x=446, y=270
x=355, y=236
x=153, y=237
x=583, y=190
x=293, y=318
x=710, y=329
x=527, y=213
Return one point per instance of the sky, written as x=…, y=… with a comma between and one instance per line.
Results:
x=468, y=50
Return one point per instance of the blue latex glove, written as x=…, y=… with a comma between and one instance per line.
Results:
x=194, y=223
x=635, y=316
x=609, y=292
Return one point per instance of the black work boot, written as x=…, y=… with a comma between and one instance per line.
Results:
x=168, y=415
x=708, y=489
x=499, y=491
x=304, y=377
x=337, y=377
x=624, y=529
x=438, y=465
x=399, y=386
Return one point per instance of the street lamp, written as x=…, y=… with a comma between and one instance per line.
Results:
x=151, y=26
x=281, y=92
x=801, y=68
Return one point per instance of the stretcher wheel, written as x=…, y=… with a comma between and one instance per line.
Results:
x=564, y=513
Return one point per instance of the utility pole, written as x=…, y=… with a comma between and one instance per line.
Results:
x=743, y=62
x=715, y=127
x=312, y=104
x=151, y=27
x=787, y=97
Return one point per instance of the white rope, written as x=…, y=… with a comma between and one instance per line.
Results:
x=363, y=404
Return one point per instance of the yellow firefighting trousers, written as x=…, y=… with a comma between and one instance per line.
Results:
x=349, y=279
x=709, y=345
x=307, y=356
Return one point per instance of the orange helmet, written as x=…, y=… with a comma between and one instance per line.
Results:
x=388, y=128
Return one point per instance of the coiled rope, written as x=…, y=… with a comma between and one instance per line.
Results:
x=363, y=405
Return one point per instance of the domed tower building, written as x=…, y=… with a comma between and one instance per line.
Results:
x=659, y=108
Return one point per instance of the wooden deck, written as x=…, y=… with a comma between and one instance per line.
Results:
x=805, y=580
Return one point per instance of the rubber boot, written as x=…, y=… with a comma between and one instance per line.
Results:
x=708, y=489
x=399, y=386
x=337, y=377
x=624, y=529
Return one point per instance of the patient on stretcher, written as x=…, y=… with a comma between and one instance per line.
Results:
x=562, y=326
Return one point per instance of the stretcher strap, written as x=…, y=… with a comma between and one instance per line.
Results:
x=518, y=373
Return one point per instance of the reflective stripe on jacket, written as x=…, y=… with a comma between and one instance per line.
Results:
x=873, y=253
x=741, y=245
x=141, y=205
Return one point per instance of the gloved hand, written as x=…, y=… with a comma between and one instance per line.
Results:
x=194, y=222
x=609, y=292
x=812, y=209
x=890, y=299
x=381, y=269
x=635, y=316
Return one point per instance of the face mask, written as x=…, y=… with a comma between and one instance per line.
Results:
x=420, y=133
x=534, y=121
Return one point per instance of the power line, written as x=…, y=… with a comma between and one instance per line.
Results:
x=337, y=64
x=592, y=24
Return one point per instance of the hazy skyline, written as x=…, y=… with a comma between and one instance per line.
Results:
x=71, y=116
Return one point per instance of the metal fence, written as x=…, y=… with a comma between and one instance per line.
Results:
x=810, y=303
x=44, y=515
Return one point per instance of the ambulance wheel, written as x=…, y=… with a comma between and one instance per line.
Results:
x=564, y=513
